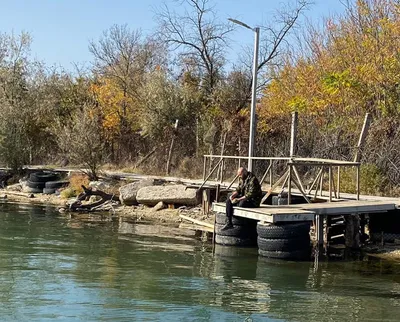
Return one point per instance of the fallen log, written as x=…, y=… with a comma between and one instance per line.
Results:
x=20, y=194
x=106, y=199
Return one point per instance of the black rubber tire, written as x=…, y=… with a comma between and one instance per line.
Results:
x=283, y=245
x=220, y=218
x=234, y=241
x=285, y=231
x=35, y=184
x=302, y=254
x=56, y=184
x=33, y=190
x=49, y=191
x=235, y=231
x=43, y=176
x=294, y=200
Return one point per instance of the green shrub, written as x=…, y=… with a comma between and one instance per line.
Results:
x=372, y=181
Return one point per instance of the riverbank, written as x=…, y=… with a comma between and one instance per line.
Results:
x=130, y=213
x=167, y=216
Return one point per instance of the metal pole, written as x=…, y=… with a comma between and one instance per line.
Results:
x=253, y=99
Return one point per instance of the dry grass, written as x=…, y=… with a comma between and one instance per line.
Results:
x=77, y=180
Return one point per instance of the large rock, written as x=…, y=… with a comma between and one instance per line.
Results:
x=127, y=193
x=170, y=194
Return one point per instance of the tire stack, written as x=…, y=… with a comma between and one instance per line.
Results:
x=44, y=182
x=243, y=232
x=284, y=241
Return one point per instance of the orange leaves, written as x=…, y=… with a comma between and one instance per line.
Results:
x=356, y=68
x=114, y=105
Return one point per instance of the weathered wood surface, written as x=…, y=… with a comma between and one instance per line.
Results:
x=196, y=227
x=305, y=212
x=198, y=222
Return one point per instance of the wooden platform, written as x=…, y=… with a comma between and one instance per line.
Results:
x=309, y=212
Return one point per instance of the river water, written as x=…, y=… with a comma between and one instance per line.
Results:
x=57, y=268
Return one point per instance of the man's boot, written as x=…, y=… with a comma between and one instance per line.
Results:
x=228, y=224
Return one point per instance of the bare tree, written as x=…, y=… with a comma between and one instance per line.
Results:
x=123, y=56
x=274, y=39
x=199, y=36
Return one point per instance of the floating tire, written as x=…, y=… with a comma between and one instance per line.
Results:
x=35, y=184
x=302, y=254
x=233, y=241
x=49, y=191
x=285, y=231
x=235, y=231
x=56, y=184
x=220, y=218
x=283, y=245
x=43, y=176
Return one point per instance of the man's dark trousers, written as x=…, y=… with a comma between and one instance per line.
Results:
x=242, y=203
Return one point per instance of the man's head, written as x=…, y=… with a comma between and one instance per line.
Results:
x=242, y=172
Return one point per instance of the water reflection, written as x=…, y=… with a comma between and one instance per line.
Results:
x=97, y=268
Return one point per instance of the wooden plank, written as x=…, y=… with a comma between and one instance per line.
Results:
x=218, y=207
x=324, y=161
x=293, y=134
x=274, y=216
x=198, y=222
x=196, y=227
x=285, y=175
x=347, y=207
x=363, y=135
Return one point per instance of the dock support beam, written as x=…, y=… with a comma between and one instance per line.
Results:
x=319, y=226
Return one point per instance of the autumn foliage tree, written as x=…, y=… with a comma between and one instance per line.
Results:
x=351, y=67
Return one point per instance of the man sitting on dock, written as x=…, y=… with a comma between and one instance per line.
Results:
x=248, y=195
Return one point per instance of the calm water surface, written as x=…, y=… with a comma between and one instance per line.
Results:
x=54, y=268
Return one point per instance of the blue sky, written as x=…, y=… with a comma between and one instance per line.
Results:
x=62, y=29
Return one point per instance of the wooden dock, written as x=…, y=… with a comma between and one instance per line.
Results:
x=313, y=212
x=309, y=212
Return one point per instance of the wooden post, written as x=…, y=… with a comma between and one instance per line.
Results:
x=338, y=182
x=168, y=168
x=358, y=181
x=266, y=173
x=210, y=174
x=333, y=184
x=301, y=190
x=230, y=185
x=221, y=171
x=319, y=223
x=352, y=232
x=315, y=181
x=271, y=173
x=217, y=192
x=330, y=183
x=293, y=134
x=321, y=182
x=206, y=201
x=363, y=135
x=296, y=173
x=204, y=167
x=290, y=184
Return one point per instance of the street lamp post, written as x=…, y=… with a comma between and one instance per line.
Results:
x=253, y=90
